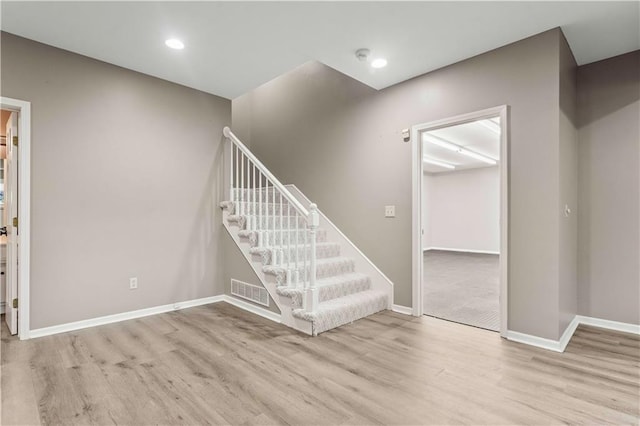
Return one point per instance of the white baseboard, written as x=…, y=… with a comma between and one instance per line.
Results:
x=461, y=250
x=123, y=316
x=568, y=333
x=540, y=342
x=561, y=344
x=405, y=310
x=273, y=316
x=610, y=325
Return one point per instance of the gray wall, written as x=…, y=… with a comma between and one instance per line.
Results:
x=339, y=142
x=236, y=267
x=568, y=175
x=609, y=211
x=124, y=183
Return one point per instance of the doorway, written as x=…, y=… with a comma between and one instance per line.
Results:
x=15, y=217
x=460, y=227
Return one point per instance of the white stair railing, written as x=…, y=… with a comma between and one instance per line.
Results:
x=262, y=200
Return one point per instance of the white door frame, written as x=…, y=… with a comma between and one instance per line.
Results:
x=417, y=225
x=24, y=208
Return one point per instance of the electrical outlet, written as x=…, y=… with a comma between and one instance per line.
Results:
x=133, y=283
x=389, y=211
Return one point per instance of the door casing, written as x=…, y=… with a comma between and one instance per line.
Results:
x=416, y=195
x=23, y=108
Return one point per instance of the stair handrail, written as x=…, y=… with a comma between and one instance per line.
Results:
x=263, y=169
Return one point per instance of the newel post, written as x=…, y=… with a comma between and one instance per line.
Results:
x=228, y=149
x=313, y=221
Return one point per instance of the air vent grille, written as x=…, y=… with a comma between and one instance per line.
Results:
x=251, y=292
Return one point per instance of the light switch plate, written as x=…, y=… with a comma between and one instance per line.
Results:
x=389, y=211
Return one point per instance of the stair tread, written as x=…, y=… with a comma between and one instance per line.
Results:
x=319, y=262
x=328, y=281
x=355, y=298
x=343, y=310
x=249, y=231
x=319, y=244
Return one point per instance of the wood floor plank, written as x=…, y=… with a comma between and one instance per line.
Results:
x=19, y=402
x=217, y=364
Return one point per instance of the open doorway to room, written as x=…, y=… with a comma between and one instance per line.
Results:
x=460, y=219
x=15, y=144
x=8, y=211
x=5, y=116
x=461, y=223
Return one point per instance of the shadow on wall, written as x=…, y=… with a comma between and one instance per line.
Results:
x=604, y=102
x=204, y=247
x=609, y=179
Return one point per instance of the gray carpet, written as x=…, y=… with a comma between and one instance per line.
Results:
x=462, y=287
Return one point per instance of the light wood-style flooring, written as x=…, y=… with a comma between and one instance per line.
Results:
x=217, y=364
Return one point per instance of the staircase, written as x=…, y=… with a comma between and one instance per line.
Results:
x=317, y=277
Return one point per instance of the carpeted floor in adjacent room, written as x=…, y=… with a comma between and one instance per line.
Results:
x=462, y=287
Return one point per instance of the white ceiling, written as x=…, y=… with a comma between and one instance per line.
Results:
x=475, y=136
x=233, y=47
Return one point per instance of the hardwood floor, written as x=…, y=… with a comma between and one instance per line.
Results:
x=217, y=364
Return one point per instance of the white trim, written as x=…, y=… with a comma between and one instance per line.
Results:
x=610, y=325
x=265, y=313
x=461, y=250
x=561, y=344
x=123, y=316
x=24, y=209
x=404, y=310
x=528, y=339
x=549, y=344
x=416, y=216
x=140, y=313
x=568, y=333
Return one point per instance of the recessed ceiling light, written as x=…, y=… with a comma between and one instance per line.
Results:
x=379, y=63
x=174, y=43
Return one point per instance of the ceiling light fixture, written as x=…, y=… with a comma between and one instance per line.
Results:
x=379, y=63
x=438, y=163
x=362, y=54
x=174, y=43
x=456, y=148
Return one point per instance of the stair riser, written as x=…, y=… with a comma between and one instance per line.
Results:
x=323, y=270
x=284, y=256
x=344, y=315
x=274, y=223
x=254, y=209
x=285, y=237
x=253, y=196
x=332, y=291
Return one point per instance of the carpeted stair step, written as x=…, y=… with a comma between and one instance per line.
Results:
x=343, y=310
x=281, y=237
x=325, y=268
x=268, y=223
x=323, y=250
x=255, y=208
x=255, y=194
x=329, y=288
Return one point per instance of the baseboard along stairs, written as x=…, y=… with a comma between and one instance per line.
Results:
x=318, y=279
